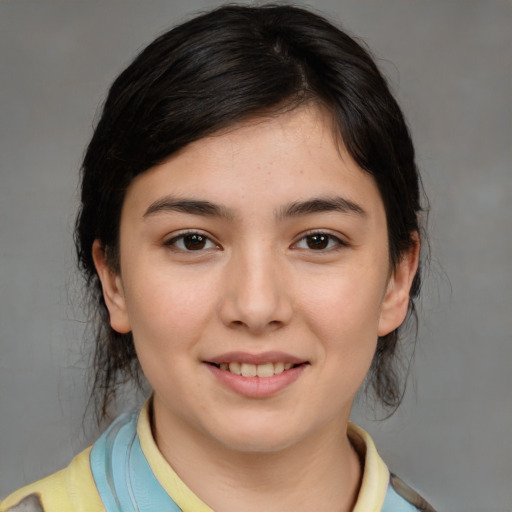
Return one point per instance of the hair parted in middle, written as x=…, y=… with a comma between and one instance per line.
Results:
x=210, y=73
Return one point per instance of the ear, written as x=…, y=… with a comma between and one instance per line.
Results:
x=112, y=290
x=396, y=300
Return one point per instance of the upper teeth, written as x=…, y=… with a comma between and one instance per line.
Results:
x=256, y=370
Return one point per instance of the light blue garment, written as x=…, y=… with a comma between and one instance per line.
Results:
x=122, y=474
x=126, y=482
x=395, y=503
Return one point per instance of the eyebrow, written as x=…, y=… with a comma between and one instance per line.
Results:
x=321, y=205
x=190, y=206
x=295, y=209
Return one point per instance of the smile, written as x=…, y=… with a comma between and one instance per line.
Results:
x=256, y=375
x=256, y=370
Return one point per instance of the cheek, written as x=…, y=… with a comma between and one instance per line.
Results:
x=167, y=320
x=344, y=316
x=167, y=312
x=346, y=302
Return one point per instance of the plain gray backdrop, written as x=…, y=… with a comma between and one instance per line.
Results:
x=450, y=64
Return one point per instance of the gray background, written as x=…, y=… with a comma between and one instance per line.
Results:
x=450, y=63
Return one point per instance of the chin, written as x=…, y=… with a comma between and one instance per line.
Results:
x=258, y=443
x=251, y=435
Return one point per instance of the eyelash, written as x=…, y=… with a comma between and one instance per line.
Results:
x=333, y=242
x=181, y=237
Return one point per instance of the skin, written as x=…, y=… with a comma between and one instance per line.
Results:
x=314, y=285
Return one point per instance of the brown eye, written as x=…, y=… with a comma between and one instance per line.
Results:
x=317, y=242
x=194, y=242
x=188, y=242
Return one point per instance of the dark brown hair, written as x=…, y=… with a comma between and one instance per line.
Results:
x=207, y=74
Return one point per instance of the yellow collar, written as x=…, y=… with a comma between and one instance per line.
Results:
x=371, y=494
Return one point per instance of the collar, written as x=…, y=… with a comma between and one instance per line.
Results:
x=371, y=496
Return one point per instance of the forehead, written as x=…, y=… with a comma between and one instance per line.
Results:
x=268, y=161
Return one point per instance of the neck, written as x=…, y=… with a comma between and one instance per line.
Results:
x=322, y=472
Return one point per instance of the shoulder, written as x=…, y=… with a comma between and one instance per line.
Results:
x=70, y=490
x=381, y=490
x=75, y=488
x=402, y=498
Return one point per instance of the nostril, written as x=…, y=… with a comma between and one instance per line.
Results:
x=238, y=323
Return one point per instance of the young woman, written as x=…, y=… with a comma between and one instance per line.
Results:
x=249, y=231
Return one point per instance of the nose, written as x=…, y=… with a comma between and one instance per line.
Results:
x=256, y=297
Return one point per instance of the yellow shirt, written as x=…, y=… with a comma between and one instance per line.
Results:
x=73, y=489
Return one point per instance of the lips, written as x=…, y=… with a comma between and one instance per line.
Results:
x=257, y=375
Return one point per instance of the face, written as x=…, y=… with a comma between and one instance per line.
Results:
x=255, y=278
